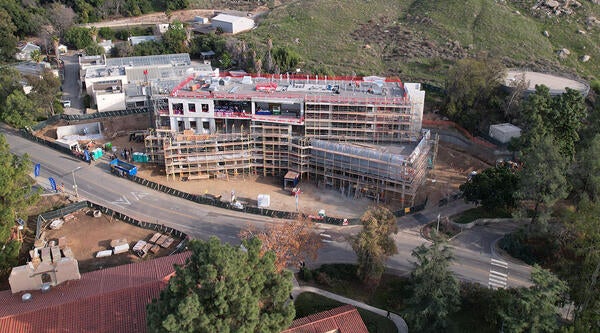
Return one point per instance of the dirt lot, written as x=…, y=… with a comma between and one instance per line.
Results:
x=86, y=235
x=114, y=130
x=451, y=169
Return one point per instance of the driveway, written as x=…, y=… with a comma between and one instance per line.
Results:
x=70, y=85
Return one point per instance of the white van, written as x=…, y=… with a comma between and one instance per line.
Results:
x=66, y=103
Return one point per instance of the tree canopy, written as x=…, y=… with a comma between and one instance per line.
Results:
x=559, y=116
x=15, y=195
x=472, y=90
x=533, y=309
x=493, y=188
x=543, y=179
x=374, y=244
x=222, y=288
x=292, y=241
x=435, y=292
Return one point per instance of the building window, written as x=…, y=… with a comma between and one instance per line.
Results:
x=177, y=108
x=192, y=107
x=204, y=107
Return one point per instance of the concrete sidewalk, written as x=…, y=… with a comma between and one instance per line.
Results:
x=398, y=321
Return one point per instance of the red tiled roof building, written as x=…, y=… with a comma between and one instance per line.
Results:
x=115, y=299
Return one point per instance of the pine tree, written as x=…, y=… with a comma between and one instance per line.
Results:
x=222, y=288
x=436, y=293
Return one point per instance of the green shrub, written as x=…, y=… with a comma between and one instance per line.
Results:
x=306, y=274
x=595, y=85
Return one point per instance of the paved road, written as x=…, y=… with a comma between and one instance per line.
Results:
x=70, y=86
x=96, y=183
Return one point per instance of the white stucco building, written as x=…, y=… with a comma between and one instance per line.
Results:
x=232, y=24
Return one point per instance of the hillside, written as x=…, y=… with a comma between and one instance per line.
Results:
x=417, y=39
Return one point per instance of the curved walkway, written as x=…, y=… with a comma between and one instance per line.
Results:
x=398, y=321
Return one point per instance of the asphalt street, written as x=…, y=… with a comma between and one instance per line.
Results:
x=472, y=249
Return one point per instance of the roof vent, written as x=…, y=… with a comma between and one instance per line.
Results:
x=26, y=297
x=45, y=288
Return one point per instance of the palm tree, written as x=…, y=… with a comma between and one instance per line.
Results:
x=94, y=33
x=36, y=55
x=55, y=44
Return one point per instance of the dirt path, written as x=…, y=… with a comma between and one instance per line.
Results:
x=160, y=17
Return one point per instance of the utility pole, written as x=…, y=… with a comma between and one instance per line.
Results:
x=75, y=182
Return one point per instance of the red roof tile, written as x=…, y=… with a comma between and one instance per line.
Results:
x=345, y=319
x=108, y=300
x=114, y=300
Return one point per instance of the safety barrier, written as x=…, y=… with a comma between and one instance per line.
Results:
x=48, y=216
x=208, y=200
x=79, y=117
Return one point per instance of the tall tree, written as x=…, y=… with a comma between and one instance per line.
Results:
x=534, y=309
x=15, y=196
x=61, y=17
x=18, y=111
x=543, y=180
x=222, y=288
x=582, y=271
x=436, y=293
x=45, y=91
x=560, y=116
x=94, y=33
x=175, y=38
x=291, y=241
x=586, y=170
x=8, y=40
x=374, y=244
x=493, y=188
x=472, y=86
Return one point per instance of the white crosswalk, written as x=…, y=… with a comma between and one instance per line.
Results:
x=498, y=277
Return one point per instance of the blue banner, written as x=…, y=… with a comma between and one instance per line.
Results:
x=36, y=170
x=52, y=183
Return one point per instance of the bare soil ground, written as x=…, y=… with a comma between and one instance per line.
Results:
x=86, y=235
x=115, y=131
x=451, y=169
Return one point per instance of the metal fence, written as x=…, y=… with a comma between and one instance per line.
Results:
x=79, y=117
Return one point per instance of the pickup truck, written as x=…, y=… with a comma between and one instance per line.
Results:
x=122, y=168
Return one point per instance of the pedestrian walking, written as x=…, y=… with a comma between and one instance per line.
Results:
x=388, y=315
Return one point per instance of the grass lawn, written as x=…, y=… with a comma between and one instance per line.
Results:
x=309, y=303
x=323, y=33
x=480, y=212
x=389, y=295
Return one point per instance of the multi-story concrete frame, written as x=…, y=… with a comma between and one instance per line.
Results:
x=362, y=136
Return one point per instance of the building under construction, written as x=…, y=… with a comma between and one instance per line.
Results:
x=361, y=136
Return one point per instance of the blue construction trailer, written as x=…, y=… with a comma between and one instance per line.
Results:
x=122, y=168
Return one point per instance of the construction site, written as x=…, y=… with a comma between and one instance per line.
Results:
x=360, y=136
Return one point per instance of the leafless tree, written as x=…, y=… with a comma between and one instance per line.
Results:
x=61, y=17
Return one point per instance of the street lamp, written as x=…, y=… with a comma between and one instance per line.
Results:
x=74, y=181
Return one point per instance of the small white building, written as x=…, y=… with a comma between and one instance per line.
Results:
x=62, y=49
x=25, y=51
x=232, y=24
x=201, y=20
x=504, y=132
x=109, y=96
x=161, y=28
x=107, y=45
